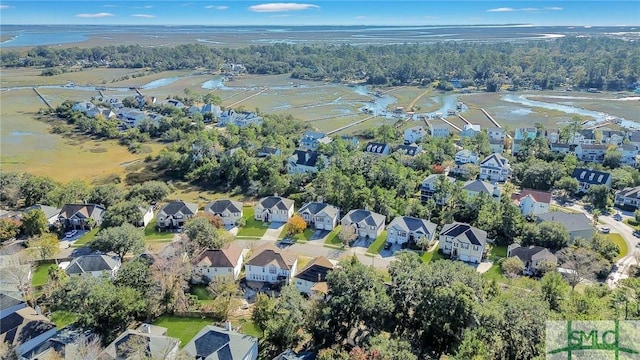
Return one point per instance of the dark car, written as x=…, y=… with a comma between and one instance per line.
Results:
x=617, y=217
x=388, y=246
x=636, y=233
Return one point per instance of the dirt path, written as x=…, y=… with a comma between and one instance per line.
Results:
x=414, y=101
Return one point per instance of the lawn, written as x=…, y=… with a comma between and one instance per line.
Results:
x=247, y=327
x=41, y=275
x=304, y=236
x=201, y=292
x=63, y=318
x=332, y=239
x=632, y=222
x=498, y=252
x=618, y=240
x=183, y=328
x=253, y=227
x=432, y=255
x=151, y=233
x=378, y=244
x=495, y=273
x=86, y=238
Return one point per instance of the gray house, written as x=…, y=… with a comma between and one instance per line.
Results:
x=321, y=215
x=578, y=225
x=532, y=257
x=229, y=211
x=407, y=229
x=215, y=343
x=368, y=224
x=175, y=214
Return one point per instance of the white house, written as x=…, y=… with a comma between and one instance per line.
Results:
x=495, y=168
x=407, y=229
x=146, y=215
x=240, y=119
x=588, y=177
x=591, y=152
x=229, y=211
x=560, y=148
x=463, y=241
x=414, y=134
x=532, y=257
x=611, y=136
x=628, y=198
x=582, y=137
x=215, y=343
x=439, y=129
x=629, y=154
x=94, y=265
x=368, y=224
x=321, y=215
x=466, y=156
x=552, y=135
x=312, y=139
x=272, y=265
x=302, y=162
x=312, y=280
x=274, y=209
x=496, y=133
x=218, y=263
x=532, y=202
x=470, y=130
x=175, y=214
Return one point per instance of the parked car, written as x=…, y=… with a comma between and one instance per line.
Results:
x=605, y=229
x=617, y=217
x=286, y=241
x=71, y=234
x=387, y=246
x=636, y=234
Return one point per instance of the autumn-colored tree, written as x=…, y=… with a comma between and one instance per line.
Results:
x=295, y=225
x=9, y=228
x=215, y=220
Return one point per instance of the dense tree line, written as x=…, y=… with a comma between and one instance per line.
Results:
x=602, y=63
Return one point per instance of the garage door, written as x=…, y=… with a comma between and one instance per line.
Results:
x=464, y=257
x=320, y=226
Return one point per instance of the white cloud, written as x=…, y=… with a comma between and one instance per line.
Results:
x=216, y=7
x=110, y=6
x=277, y=7
x=146, y=16
x=553, y=8
x=502, y=9
x=529, y=9
x=96, y=15
x=148, y=6
x=4, y=7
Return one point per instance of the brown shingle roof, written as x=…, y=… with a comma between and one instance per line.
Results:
x=269, y=254
x=538, y=196
x=227, y=257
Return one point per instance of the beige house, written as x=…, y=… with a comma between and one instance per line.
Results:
x=229, y=211
x=407, y=229
x=368, y=224
x=175, y=214
x=312, y=280
x=321, y=215
x=463, y=242
x=272, y=265
x=274, y=209
x=532, y=257
x=218, y=263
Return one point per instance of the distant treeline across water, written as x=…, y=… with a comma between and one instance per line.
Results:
x=603, y=63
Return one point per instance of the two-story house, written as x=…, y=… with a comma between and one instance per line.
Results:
x=312, y=139
x=588, y=177
x=175, y=214
x=272, y=265
x=463, y=242
x=274, y=209
x=614, y=137
x=312, y=280
x=408, y=230
x=496, y=146
x=495, y=168
x=533, y=257
x=146, y=342
x=629, y=154
x=409, y=150
x=216, y=343
x=496, y=133
x=470, y=130
x=414, y=134
x=582, y=137
x=218, y=263
x=532, y=202
x=628, y=198
x=466, y=156
x=560, y=148
x=230, y=211
x=591, y=152
x=368, y=224
x=474, y=188
x=428, y=188
x=439, y=129
x=301, y=162
x=241, y=119
x=81, y=216
x=552, y=135
x=321, y=215
x=578, y=225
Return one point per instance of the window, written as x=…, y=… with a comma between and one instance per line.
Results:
x=475, y=248
x=464, y=246
x=373, y=227
x=272, y=269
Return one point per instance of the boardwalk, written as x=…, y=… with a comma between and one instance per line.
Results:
x=249, y=97
x=42, y=98
x=350, y=125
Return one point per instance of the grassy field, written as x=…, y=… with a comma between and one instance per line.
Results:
x=495, y=273
x=247, y=327
x=151, y=233
x=304, y=236
x=332, y=239
x=432, y=255
x=378, y=244
x=86, y=238
x=63, y=318
x=253, y=228
x=41, y=275
x=618, y=240
x=183, y=328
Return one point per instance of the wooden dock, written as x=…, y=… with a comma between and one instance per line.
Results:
x=350, y=125
x=248, y=97
x=42, y=98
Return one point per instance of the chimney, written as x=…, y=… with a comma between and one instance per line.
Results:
x=228, y=325
x=307, y=155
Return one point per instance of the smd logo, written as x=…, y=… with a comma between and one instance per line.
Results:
x=575, y=340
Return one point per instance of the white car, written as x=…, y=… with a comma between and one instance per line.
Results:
x=71, y=233
x=605, y=229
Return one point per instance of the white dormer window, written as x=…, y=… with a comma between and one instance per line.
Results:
x=600, y=178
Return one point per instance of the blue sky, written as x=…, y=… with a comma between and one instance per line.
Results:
x=371, y=12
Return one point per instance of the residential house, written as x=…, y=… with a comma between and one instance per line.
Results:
x=629, y=154
x=302, y=162
x=321, y=215
x=268, y=151
x=525, y=133
x=14, y=276
x=377, y=148
x=634, y=138
x=409, y=150
x=213, y=109
x=408, y=230
x=175, y=214
x=496, y=145
x=591, y=152
x=25, y=329
x=532, y=202
x=215, y=343
x=312, y=139
x=414, y=134
x=176, y=103
x=475, y=187
x=274, y=209
x=230, y=211
x=81, y=216
x=560, y=148
x=495, y=168
x=83, y=106
x=496, y=133
x=588, y=177
x=241, y=119
x=470, y=130
x=582, y=137
x=578, y=225
x=272, y=265
x=292, y=355
x=552, y=135
x=64, y=343
x=614, y=137
x=466, y=156
x=368, y=224
x=533, y=257
x=351, y=140
x=51, y=213
x=94, y=265
x=463, y=241
x=146, y=215
x=312, y=280
x=428, y=188
x=628, y=198
x=218, y=263
x=102, y=111
x=147, y=341
x=131, y=117
x=10, y=304
x=439, y=129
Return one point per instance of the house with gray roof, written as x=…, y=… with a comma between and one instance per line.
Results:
x=274, y=209
x=240, y=119
x=175, y=214
x=428, y=188
x=591, y=152
x=81, y=216
x=25, y=329
x=407, y=229
x=94, y=265
x=215, y=343
x=312, y=139
x=588, y=177
x=230, y=211
x=463, y=242
x=630, y=154
x=495, y=167
x=272, y=265
x=560, y=148
x=50, y=212
x=533, y=257
x=321, y=215
x=145, y=342
x=312, y=280
x=10, y=303
x=14, y=275
x=578, y=225
x=415, y=133
x=496, y=145
x=475, y=187
x=368, y=224
x=409, y=150
x=628, y=198
x=301, y=162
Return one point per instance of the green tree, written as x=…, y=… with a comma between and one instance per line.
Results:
x=567, y=185
x=224, y=292
x=149, y=191
x=9, y=228
x=284, y=329
x=34, y=189
x=598, y=196
x=512, y=266
x=581, y=263
x=392, y=348
x=45, y=245
x=554, y=289
x=135, y=274
x=549, y=234
x=34, y=223
x=612, y=159
x=125, y=212
x=121, y=240
x=203, y=235
x=106, y=195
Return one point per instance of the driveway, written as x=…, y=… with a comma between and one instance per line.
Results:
x=273, y=232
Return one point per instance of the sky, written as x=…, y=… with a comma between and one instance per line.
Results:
x=322, y=12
